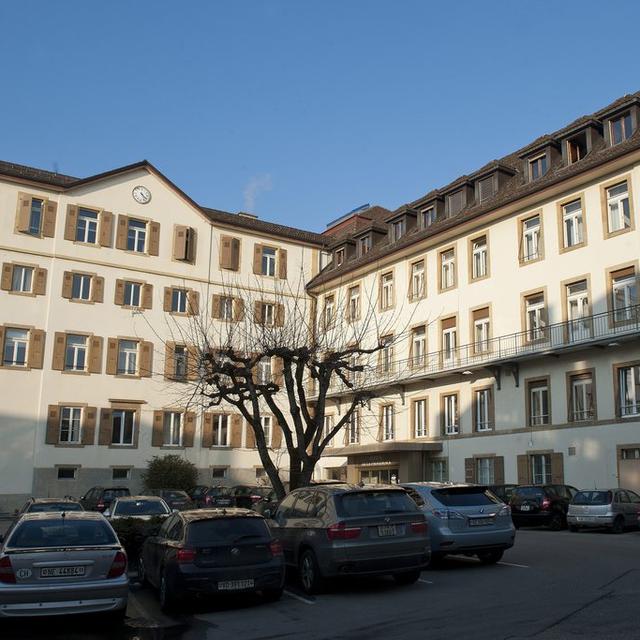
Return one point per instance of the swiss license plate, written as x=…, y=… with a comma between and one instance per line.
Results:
x=480, y=522
x=235, y=585
x=387, y=530
x=525, y=507
x=61, y=572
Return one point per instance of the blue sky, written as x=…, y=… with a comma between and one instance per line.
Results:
x=300, y=110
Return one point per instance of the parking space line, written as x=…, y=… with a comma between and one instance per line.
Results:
x=425, y=581
x=513, y=564
x=297, y=597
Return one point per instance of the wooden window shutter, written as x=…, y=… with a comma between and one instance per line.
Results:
x=225, y=258
x=7, y=276
x=498, y=470
x=166, y=302
x=469, y=470
x=147, y=296
x=523, y=469
x=215, y=306
x=106, y=425
x=36, y=348
x=106, y=229
x=257, y=312
x=112, y=356
x=207, y=430
x=169, y=360
x=49, y=219
x=146, y=358
x=89, y=415
x=2, y=337
x=157, y=433
x=257, y=259
x=193, y=370
x=121, y=232
x=59, y=344
x=557, y=468
x=40, y=282
x=119, y=294
x=279, y=315
x=189, y=432
x=448, y=323
x=97, y=289
x=180, y=242
x=24, y=212
x=236, y=431
x=193, y=302
x=53, y=425
x=154, y=238
x=380, y=433
x=71, y=222
x=282, y=264
x=250, y=437
x=67, y=285
x=276, y=436
x=235, y=254
x=238, y=309
x=278, y=371
x=95, y=354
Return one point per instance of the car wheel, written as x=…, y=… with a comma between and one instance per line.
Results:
x=142, y=572
x=618, y=525
x=557, y=522
x=272, y=595
x=309, y=573
x=168, y=598
x=490, y=557
x=407, y=577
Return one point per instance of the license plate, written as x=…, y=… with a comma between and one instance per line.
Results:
x=61, y=572
x=386, y=530
x=480, y=522
x=525, y=507
x=234, y=585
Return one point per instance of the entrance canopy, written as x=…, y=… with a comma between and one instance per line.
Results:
x=383, y=447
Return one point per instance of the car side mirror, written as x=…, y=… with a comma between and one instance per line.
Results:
x=106, y=513
x=174, y=511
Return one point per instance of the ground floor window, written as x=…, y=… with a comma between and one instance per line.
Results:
x=485, y=470
x=120, y=473
x=437, y=470
x=379, y=476
x=541, y=468
x=122, y=431
x=67, y=473
x=219, y=473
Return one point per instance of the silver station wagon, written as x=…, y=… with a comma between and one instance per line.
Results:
x=615, y=509
x=58, y=563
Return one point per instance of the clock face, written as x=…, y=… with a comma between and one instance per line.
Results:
x=141, y=194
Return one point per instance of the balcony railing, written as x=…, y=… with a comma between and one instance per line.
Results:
x=593, y=329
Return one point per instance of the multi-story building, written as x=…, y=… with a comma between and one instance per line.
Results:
x=507, y=304
x=102, y=280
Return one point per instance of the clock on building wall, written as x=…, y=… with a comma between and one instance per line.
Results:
x=141, y=194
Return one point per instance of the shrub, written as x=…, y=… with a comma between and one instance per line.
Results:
x=169, y=472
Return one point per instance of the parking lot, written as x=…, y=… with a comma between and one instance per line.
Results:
x=551, y=585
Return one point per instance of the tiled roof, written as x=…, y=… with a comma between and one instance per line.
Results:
x=38, y=175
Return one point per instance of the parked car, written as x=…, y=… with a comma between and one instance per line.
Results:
x=214, y=497
x=464, y=519
x=196, y=493
x=343, y=529
x=615, y=509
x=100, y=498
x=502, y=491
x=58, y=563
x=534, y=505
x=212, y=551
x=40, y=505
x=179, y=500
x=268, y=504
x=139, y=507
x=245, y=496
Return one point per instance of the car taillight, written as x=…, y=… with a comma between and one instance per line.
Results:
x=100, y=506
x=186, y=556
x=6, y=571
x=340, y=531
x=546, y=503
x=118, y=566
x=447, y=514
x=255, y=499
x=419, y=527
x=275, y=546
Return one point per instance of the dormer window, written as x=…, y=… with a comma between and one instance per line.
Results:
x=427, y=217
x=538, y=166
x=340, y=255
x=455, y=202
x=576, y=149
x=397, y=229
x=364, y=245
x=486, y=188
x=621, y=128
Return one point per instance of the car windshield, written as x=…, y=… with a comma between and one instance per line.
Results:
x=41, y=507
x=464, y=496
x=528, y=492
x=140, y=508
x=175, y=495
x=57, y=532
x=593, y=497
x=371, y=503
x=244, y=491
x=111, y=494
x=205, y=533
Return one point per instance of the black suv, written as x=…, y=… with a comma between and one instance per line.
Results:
x=100, y=498
x=535, y=505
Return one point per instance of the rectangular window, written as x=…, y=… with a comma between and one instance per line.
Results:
x=339, y=256
x=172, y=428
x=353, y=428
x=386, y=354
x=449, y=345
x=268, y=314
x=87, y=226
x=267, y=424
x=81, y=287
x=418, y=346
x=328, y=426
x=451, y=425
x=136, y=235
x=268, y=261
x=398, y=228
x=226, y=308
x=132, y=293
x=70, y=421
x=364, y=245
x=479, y=258
x=67, y=473
x=21, y=279
x=386, y=291
x=417, y=280
x=455, y=202
x=35, y=216
x=624, y=293
x=179, y=300
x=16, y=342
x=576, y=149
x=122, y=427
x=180, y=358
x=481, y=326
x=621, y=128
x=75, y=358
x=572, y=224
x=618, y=207
x=420, y=418
x=537, y=167
x=531, y=239
x=120, y=473
x=536, y=317
x=629, y=390
x=127, y=357
x=482, y=409
x=427, y=217
x=485, y=471
x=448, y=269
x=264, y=370
x=540, y=468
x=329, y=311
x=486, y=188
x=219, y=473
x=388, y=422
x=354, y=303
x=578, y=311
x=539, y=411
x=438, y=470
x=581, y=405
